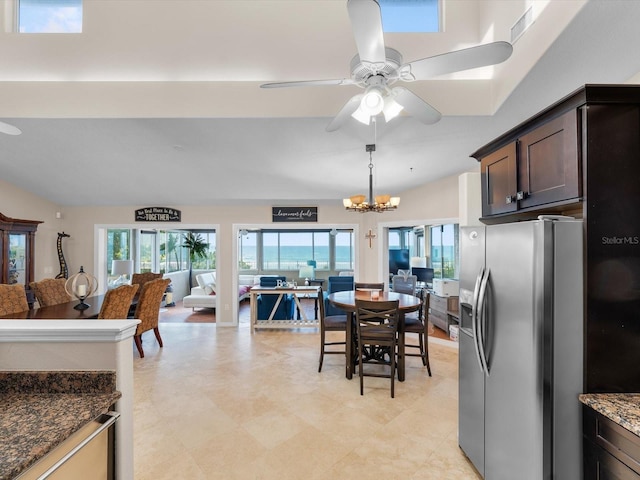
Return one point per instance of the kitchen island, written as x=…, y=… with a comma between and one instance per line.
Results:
x=78, y=346
x=43, y=409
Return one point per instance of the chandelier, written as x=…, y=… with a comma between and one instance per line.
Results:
x=379, y=203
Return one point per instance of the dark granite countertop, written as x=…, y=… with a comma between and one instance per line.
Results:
x=39, y=410
x=622, y=408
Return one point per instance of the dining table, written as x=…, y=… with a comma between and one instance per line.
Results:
x=61, y=311
x=346, y=300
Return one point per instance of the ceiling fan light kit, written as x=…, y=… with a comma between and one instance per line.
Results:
x=9, y=129
x=375, y=67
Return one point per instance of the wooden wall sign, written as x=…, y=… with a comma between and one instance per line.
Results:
x=158, y=214
x=294, y=214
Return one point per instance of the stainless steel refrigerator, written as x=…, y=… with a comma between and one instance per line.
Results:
x=521, y=349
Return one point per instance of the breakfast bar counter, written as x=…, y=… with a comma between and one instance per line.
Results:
x=611, y=435
x=40, y=410
x=621, y=408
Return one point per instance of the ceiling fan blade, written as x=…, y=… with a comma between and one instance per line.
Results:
x=9, y=129
x=415, y=106
x=346, y=111
x=366, y=22
x=456, y=61
x=308, y=83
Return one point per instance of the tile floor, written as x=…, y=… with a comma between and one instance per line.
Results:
x=223, y=403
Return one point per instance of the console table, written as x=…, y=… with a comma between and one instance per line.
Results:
x=300, y=291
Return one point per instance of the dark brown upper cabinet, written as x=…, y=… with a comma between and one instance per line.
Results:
x=542, y=167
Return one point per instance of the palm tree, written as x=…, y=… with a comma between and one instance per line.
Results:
x=197, y=250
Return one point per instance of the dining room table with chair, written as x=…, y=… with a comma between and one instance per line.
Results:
x=61, y=311
x=346, y=300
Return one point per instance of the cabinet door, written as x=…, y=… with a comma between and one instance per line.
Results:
x=498, y=175
x=548, y=166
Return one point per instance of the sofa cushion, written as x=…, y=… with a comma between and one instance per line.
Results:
x=207, y=281
x=246, y=280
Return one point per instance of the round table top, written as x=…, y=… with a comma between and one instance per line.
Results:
x=347, y=299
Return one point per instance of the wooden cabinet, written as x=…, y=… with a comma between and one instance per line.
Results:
x=541, y=167
x=548, y=163
x=17, y=247
x=610, y=451
x=579, y=157
x=499, y=173
x=439, y=308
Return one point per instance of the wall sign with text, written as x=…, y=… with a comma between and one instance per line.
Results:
x=158, y=214
x=294, y=214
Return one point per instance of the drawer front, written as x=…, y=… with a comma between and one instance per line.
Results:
x=438, y=303
x=613, y=438
x=601, y=465
x=438, y=314
x=439, y=322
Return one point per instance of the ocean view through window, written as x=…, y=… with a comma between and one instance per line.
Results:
x=290, y=250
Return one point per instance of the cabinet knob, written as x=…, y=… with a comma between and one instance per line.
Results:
x=508, y=199
x=521, y=195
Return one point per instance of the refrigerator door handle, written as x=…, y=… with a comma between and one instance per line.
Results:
x=475, y=327
x=482, y=322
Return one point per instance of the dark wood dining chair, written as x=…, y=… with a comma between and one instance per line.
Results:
x=376, y=285
x=331, y=323
x=419, y=324
x=50, y=291
x=377, y=324
x=117, y=302
x=148, y=310
x=13, y=299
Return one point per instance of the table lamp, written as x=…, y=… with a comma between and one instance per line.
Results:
x=419, y=262
x=308, y=273
x=121, y=268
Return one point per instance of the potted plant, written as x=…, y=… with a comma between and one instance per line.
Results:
x=197, y=250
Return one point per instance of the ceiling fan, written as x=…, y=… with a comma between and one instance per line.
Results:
x=376, y=67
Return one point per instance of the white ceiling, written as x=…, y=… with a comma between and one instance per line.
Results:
x=158, y=101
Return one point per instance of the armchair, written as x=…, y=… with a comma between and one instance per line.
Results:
x=337, y=284
x=266, y=301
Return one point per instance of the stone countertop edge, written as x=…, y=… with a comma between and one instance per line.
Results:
x=621, y=408
x=39, y=410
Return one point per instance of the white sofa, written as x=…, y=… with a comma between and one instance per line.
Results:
x=204, y=295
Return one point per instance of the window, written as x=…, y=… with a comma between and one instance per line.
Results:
x=49, y=16
x=148, y=251
x=269, y=250
x=173, y=257
x=118, y=248
x=403, y=16
x=248, y=250
x=157, y=250
x=209, y=262
x=444, y=250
